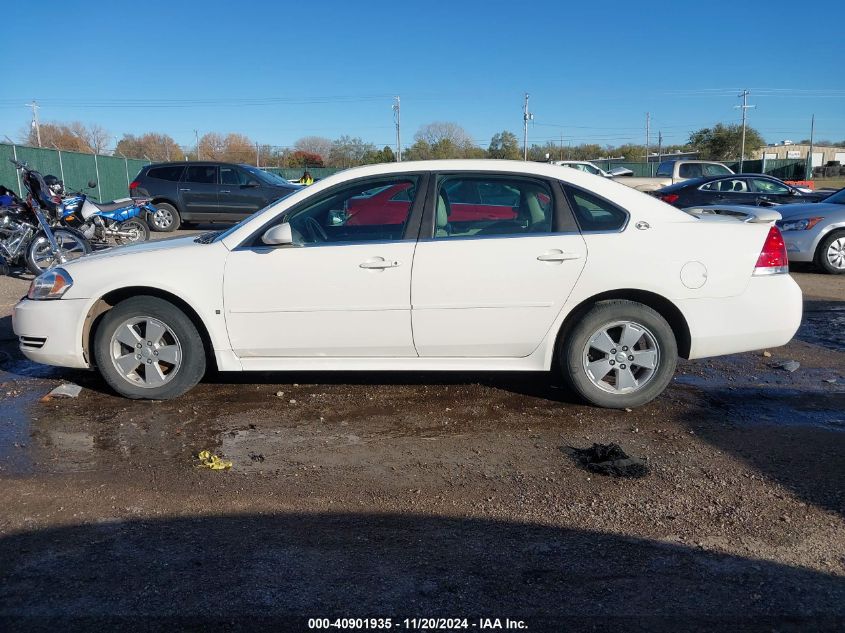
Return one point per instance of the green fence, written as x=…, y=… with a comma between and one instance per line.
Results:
x=112, y=173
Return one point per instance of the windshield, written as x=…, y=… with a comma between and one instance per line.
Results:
x=836, y=198
x=268, y=177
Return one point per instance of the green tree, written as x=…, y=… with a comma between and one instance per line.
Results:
x=723, y=142
x=504, y=145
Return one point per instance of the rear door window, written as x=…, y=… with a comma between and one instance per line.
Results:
x=201, y=174
x=477, y=206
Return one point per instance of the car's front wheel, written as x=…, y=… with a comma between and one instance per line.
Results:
x=830, y=255
x=146, y=347
x=620, y=354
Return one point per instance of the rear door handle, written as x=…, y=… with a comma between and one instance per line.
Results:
x=379, y=263
x=557, y=256
x=226, y=191
x=184, y=190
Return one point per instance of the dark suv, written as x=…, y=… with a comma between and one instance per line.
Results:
x=206, y=191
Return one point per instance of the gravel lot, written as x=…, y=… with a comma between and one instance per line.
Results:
x=443, y=495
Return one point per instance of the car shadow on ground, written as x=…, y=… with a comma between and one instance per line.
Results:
x=272, y=571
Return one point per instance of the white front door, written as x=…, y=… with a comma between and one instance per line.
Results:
x=492, y=286
x=343, y=289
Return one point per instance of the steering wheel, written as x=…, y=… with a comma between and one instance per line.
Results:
x=318, y=234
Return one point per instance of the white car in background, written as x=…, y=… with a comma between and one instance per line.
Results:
x=583, y=165
x=467, y=265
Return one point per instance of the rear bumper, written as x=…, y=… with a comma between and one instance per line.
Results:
x=50, y=332
x=766, y=315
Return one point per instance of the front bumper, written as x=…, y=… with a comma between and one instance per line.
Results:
x=801, y=245
x=766, y=315
x=50, y=332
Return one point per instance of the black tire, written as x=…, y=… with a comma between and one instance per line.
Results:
x=574, y=355
x=166, y=219
x=138, y=224
x=186, y=373
x=822, y=260
x=39, y=243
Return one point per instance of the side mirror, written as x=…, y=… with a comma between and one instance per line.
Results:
x=252, y=183
x=793, y=192
x=92, y=184
x=279, y=235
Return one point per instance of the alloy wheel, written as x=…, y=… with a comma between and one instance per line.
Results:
x=69, y=245
x=621, y=357
x=145, y=352
x=836, y=253
x=162, y=218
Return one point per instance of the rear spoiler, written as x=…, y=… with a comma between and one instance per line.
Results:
x=743, y=213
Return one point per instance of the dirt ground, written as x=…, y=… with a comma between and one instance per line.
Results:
x=441, y=495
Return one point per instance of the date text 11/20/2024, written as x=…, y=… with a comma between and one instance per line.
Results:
x=419, y=624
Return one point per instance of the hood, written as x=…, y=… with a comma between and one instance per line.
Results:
x=799, y=209
x=143, y=247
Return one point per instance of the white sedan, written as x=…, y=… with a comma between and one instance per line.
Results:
x=418, y=266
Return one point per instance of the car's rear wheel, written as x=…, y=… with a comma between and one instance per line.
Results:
x=830, y=255
x=620, y=354
x=146, y=347
x=165, y=218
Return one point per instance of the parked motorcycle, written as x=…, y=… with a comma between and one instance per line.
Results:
x=26, y=235
x=106, y=223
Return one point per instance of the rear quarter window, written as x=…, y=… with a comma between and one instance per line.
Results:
x=594, y=213
x=171, y=172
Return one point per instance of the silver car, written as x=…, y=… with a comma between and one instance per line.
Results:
x=815, y=232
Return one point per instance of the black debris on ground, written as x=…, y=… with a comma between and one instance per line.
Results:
x=609, y=459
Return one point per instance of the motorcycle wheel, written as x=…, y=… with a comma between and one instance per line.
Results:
x=138, y=227
x=39, y=255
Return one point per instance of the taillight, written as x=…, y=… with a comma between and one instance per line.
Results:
x=134, y=184
x=773, y=259
x=669, y=197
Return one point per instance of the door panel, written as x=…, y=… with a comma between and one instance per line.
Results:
x=236, y=199
x=198, y=191
x=491, y=296
x=348, y=300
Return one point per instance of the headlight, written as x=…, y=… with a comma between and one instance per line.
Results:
x=50, y=285
x=804, y=224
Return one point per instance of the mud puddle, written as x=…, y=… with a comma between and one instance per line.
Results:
x=824, y=324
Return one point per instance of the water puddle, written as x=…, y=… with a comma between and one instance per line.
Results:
x=824, y=324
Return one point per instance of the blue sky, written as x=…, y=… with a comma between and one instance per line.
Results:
x=277, y=71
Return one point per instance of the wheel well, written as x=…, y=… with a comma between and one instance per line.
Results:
x=661, y=305
x=111, y=299
x=156, y=201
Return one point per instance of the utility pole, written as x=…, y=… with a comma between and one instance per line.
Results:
x=561, y=146
x=197, y=137
x=257, y=155
x=397, y=119
x=808, y=170
x=744, y=94
x=659, y=145
x=35, y=123
x=647, y=130
x=526, y=117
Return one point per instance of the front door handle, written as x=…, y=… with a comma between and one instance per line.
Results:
x=184, y=190
x=556, y=255
x=226, y=191
x=379, y=263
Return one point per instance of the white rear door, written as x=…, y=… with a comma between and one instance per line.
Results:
x=496, y=272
